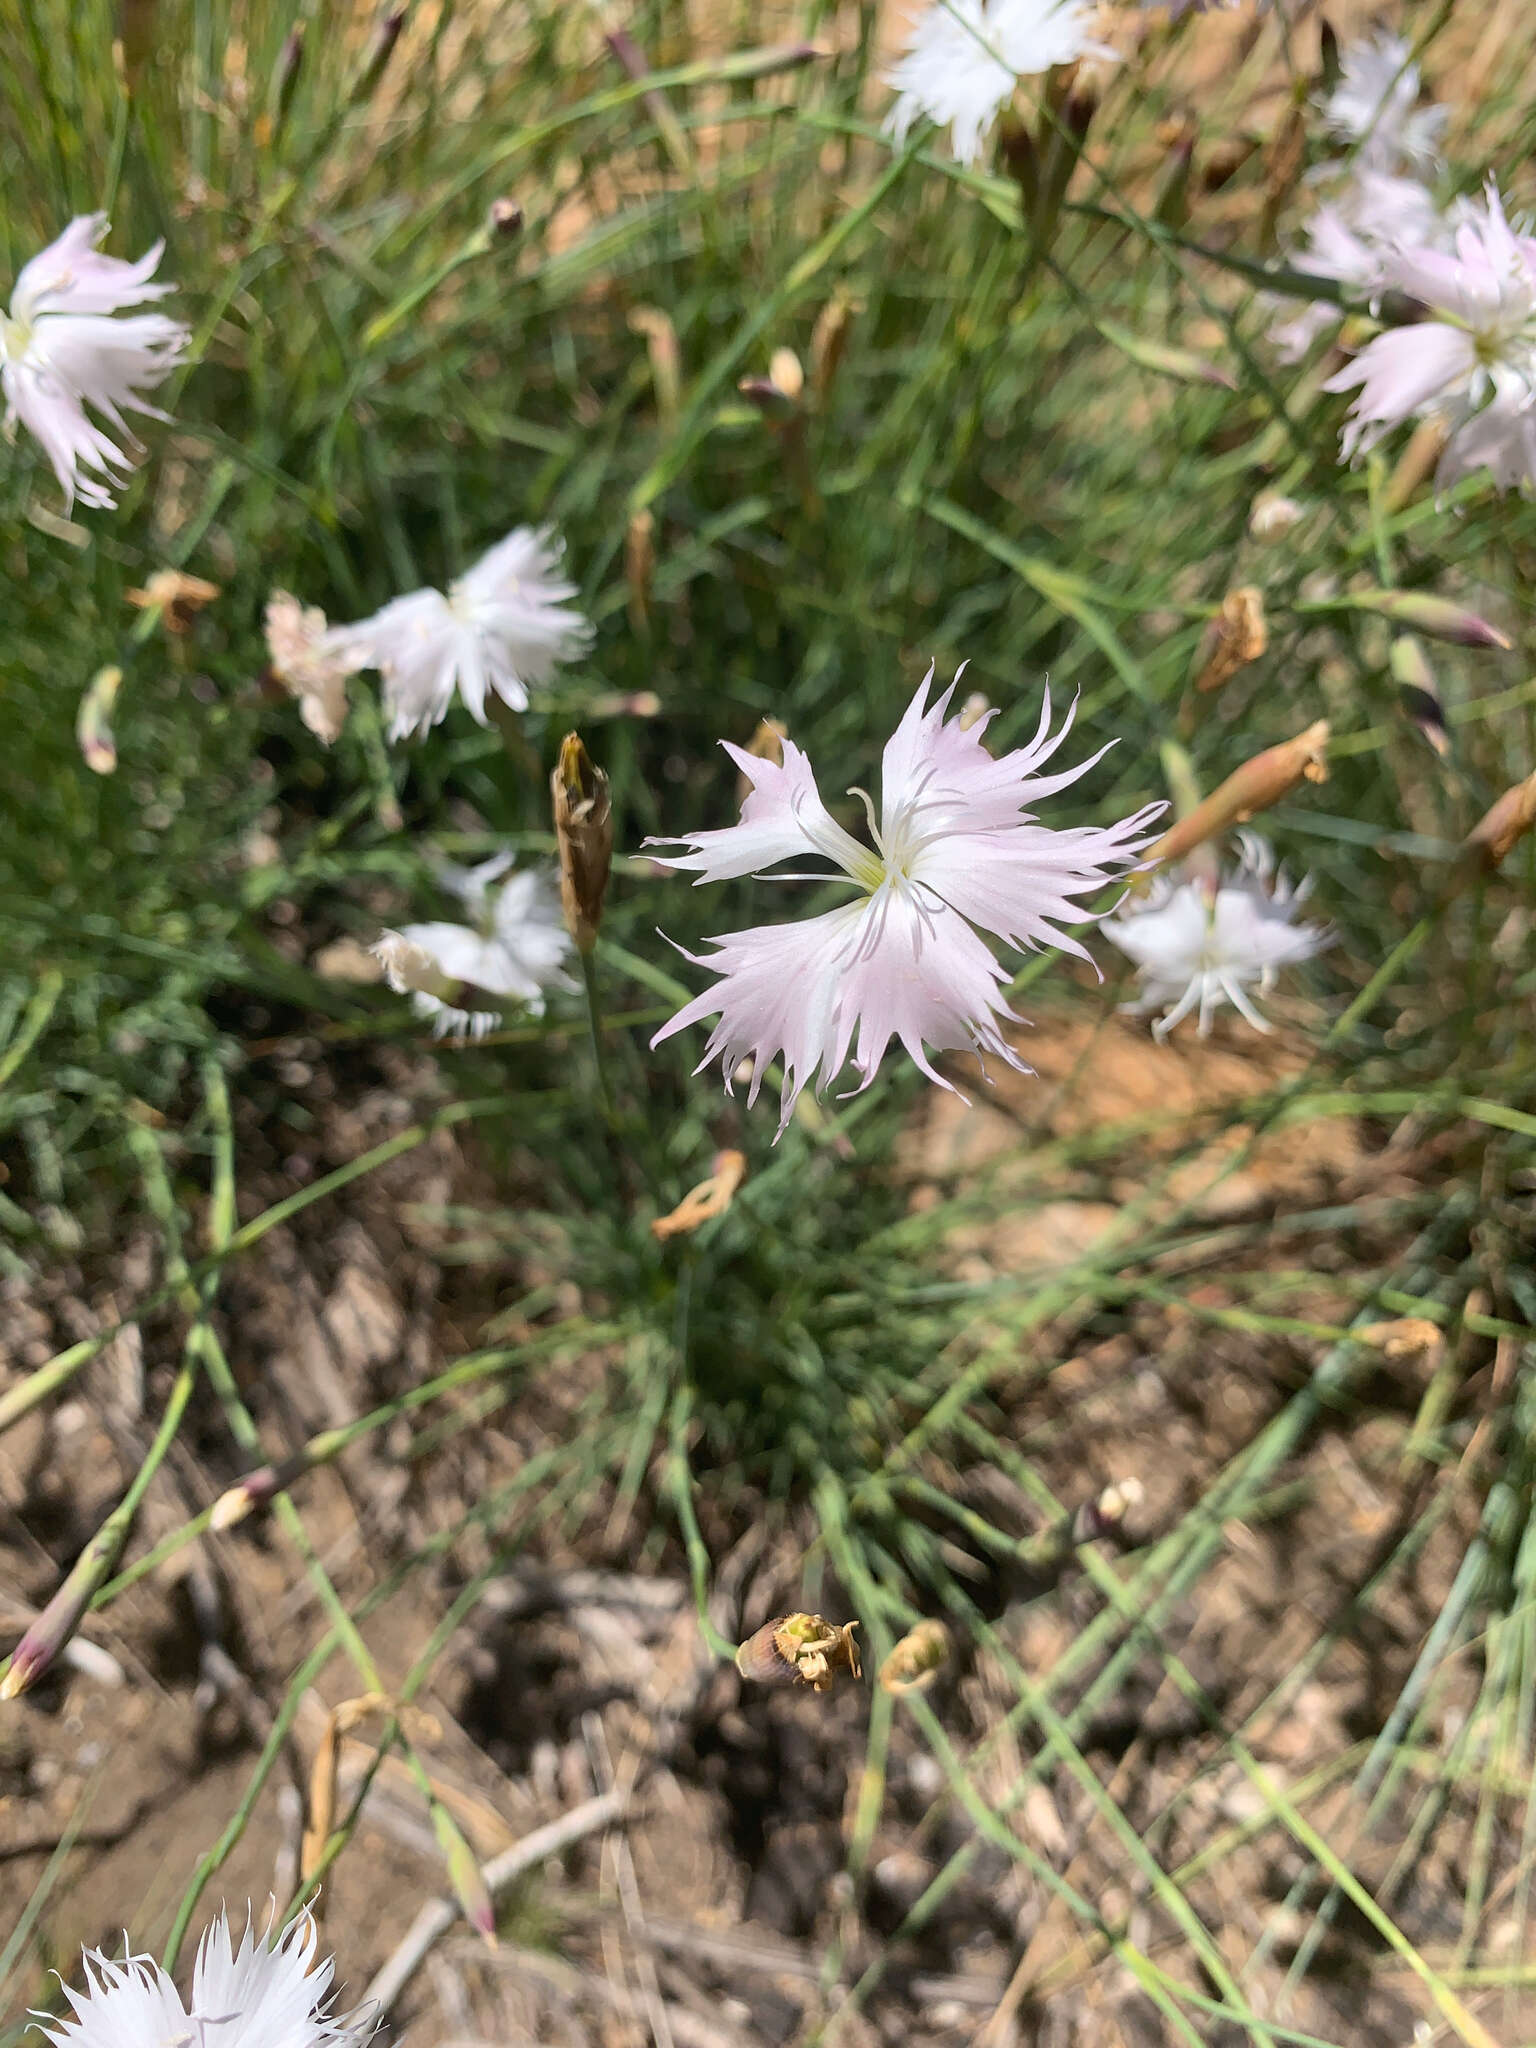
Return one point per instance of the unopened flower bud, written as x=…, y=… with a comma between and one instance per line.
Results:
x=1165, y=358
x=244, y=1497
x=93, y=721
x=504, y=217
x=1422, y=612
x=289, y=60
x=1255, y=786
x=464, y=1874
x=1418, y=692
x=786, y=374
x=800, y=1649
x=1272, y=515
x=626, y=704
x=1235, y=637
x=917, y=1659
x=764, y=395
x=381, y=48
x=584, y=835
x=42, y=1642
x=1106, y=1513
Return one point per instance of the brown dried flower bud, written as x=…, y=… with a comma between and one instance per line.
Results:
x=800, y=1649
x=584, y=835
x=917, y=1659
x=712, y=1197
x=1254, y=787
x=1237, y=636
x=1501, y=827
x=829, y=339
x=1402, y=1338
x=174, y=596
x=666, y=358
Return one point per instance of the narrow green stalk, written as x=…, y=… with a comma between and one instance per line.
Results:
x=595, y=1033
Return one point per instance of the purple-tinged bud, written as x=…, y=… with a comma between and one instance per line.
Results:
x=1418, y=693
x=1423, y=613
x=40, y=1646
x=504, y=218
x=254, y=1491
x=380, y=49
x=290, y=57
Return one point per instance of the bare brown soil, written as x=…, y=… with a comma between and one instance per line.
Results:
x=721, y=1911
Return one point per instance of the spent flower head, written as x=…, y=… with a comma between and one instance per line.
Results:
x=311, y=661
x=957, y=852
x=461, y=975
x=964, y=58
x=62, y=348
x=504, y=624
x=1470, y=363
x=1197, y=947
x=264, y=1994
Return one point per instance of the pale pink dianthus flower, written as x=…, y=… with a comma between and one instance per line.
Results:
x=1470, y=363
x=957, y=852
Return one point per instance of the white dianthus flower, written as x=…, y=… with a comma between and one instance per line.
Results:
x=511, y=953
x=265, y=1994
x=62, y=348
x=964, y=58
x=1196, y=949
x=504, y=624
x=1374, y=106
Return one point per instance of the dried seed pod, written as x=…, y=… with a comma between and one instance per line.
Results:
x=1235, y=637
x=799, y=1649
x=1253, y=787
x=584, y=835
x=1500, y=828
x=917, y=1659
